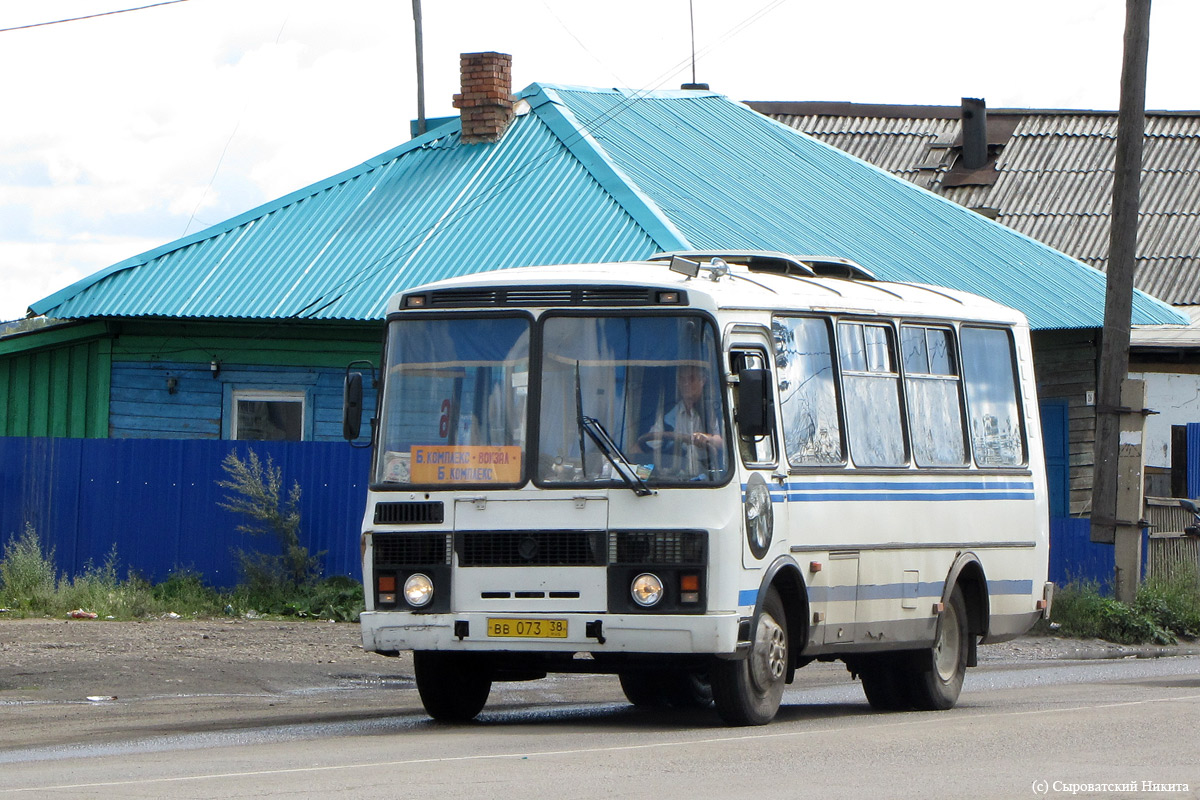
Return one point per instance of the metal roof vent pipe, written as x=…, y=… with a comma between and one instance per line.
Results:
x=974, y=133
x=486, y=102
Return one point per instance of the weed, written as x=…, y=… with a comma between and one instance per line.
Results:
x=27, y=572
x=258, y=493
x=30, y=585
x=1163, y=610
x=337, y=598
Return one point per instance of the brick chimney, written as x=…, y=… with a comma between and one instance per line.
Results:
x=486, y=101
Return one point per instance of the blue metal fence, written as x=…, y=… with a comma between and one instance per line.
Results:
x=1075, y=557
x=157, y=502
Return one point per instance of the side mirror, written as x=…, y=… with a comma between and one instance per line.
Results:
x=352, y=406
x=755, y=409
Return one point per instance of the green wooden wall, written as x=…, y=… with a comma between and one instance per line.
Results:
x=55, y=382
x=98, y=379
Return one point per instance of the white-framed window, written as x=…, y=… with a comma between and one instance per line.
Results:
x=268, y=415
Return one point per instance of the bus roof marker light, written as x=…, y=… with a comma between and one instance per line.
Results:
x=415, y=301
x=685, y=266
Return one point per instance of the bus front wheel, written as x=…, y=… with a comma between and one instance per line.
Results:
x=748, y=692
x=454, y=687
x=671, y=689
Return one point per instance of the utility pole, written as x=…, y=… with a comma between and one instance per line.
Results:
x=420, y=67
x=1110, y=524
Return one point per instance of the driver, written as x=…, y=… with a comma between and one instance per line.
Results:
x=691, y=427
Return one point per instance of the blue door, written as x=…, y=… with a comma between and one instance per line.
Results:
x=1056, y=439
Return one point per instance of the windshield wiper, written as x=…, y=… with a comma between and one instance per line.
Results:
x=614, y=455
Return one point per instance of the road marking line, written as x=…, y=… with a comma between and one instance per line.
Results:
x=923, y=720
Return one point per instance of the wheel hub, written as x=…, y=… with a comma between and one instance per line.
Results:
x=945, y=649
x=768, y=662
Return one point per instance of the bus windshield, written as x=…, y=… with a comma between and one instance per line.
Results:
x=453, y=409
x=652, y=383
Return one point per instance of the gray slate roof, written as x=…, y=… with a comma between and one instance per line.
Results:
x=1053, y=173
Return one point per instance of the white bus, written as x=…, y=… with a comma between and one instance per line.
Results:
x=701, y=472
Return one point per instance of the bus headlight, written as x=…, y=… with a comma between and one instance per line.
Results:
x=418, y=590
x=647, y=589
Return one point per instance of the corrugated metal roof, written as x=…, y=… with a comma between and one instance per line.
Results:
x=1054, y=178
x=586, y=175
x=794, y=194
x=432, y=208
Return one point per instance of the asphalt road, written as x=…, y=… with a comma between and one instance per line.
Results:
x=1125, y=728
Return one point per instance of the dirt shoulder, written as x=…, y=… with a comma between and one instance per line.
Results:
x=65, y=682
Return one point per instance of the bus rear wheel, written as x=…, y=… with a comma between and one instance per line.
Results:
x=454, y=687
x=748, y=691
x=937, y=683
x=886, y=681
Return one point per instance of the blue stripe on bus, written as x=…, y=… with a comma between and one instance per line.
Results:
x=1010, y=587
x=924, y=491
x=889, y=591
x=901, y=486
x=878, y=497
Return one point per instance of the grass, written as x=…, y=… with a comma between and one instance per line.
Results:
x=1164, y=611
x=30, y=586
x=288, y=584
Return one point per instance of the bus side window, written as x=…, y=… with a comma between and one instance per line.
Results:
x=871, y=380
x=989, y=371
x=812, y=428
x=755, y=450
x=931, y=384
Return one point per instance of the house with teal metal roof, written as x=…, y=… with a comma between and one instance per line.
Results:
x=242, y=330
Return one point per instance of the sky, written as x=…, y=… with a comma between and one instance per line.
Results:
x=128, y=131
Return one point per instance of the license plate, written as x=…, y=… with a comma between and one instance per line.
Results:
x=527, y=628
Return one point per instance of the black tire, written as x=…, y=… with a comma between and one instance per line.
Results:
x=886, y=682
x=748, y=691
x=454, y=687
x=671, y=689
x=642, y=689
x=937, y=682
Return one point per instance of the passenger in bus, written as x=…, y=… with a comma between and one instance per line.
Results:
x=688, y=437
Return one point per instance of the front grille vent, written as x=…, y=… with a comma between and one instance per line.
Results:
x=411, y=549
x=530, y=548
x=616, y=295
x=431, y=513
x=548, y=296
x=657, y=547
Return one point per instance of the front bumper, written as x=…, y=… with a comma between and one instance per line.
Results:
x=714, y=633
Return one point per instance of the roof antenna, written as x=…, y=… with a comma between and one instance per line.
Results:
x=693, y=86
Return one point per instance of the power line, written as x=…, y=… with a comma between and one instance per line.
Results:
x=90, y=16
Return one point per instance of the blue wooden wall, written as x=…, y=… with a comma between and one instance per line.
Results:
x=201, y=407
x=156, y=500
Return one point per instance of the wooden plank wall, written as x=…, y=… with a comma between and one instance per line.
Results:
x=295, y=357
x=1065, y=364
x=56, y=391
x=142, y=405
